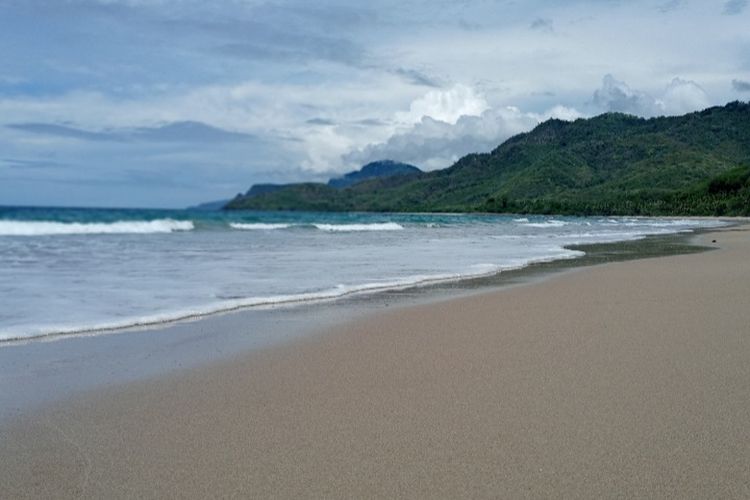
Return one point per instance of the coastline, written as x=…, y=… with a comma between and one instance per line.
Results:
x=41, y=370
x=61, y=326
x=591, y=254
x=629, y=379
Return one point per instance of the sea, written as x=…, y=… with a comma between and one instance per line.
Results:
x=77, y=270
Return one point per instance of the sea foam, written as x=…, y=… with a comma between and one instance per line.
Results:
x=69, y=285
x=336, y=292
x=382, y=226
x=43, y=228
x=257, y=226
x=549, y=223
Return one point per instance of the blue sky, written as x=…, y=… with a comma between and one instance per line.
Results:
x=167, y=103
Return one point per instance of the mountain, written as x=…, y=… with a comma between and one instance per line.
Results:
x=381, y=169
x=210, y=205
x=258, y=189
x=695, y=164
x=317, y=196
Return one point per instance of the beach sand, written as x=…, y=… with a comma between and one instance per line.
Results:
x=629, y=379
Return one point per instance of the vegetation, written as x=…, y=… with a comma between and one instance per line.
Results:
x=696, y=164
x=376, y=169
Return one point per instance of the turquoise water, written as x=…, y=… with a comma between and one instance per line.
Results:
x=75, y=270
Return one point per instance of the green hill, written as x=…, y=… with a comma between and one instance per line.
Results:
x=696, y=164
x=375, y=170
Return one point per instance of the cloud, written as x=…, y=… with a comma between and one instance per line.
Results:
x=734, y=7
x=12, y=80
x=615, y=95
x=323, y=148
x=741, y=85
x=439, y=127
x=670, y=5
x=294, y=86
x=433, y=144
x=320, y=121
x=184, y=131
x=295, y=48
x=417, y=77
x=679, y=97
x=445, y=105
x=542, y=24
x=61, y=131
x=24, y=164
x=273, y=33
x=371, y=122
x=187, y=131
x=559, y=112
x=683, y=96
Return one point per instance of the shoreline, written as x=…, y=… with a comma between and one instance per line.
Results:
x=39, y=372
x=627, y=379
x=491, y=278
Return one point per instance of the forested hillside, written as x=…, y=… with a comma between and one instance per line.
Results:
x=696, y=164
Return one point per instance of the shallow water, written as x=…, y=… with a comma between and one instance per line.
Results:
x=73, y=270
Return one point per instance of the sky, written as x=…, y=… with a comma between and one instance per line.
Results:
x=169, y=103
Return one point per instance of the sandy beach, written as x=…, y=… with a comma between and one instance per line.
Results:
x=629, y=379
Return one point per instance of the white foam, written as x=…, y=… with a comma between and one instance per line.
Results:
x=476, y=271
x=382, y=226
x=669, y=223
x=646, y=222
x=257, y=226
x=548, y=243
x=522, y=219
x=42, y=228
x=549, y=223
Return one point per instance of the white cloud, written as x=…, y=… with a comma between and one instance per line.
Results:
x=615, y=95
x=445, y=105
x=679, y=97
x=561, y=113
x=432, y=144
x=322, y=149
x=683, y=96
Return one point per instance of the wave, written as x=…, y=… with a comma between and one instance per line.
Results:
x=331, y=228
x=585, y=237
x=257, y=226
x=645, y=222
x=44, y=228
x=381, y=226
x=673, y=223
x=229, y=305
x=549, y=223
x=47, y=228
x=551, y=246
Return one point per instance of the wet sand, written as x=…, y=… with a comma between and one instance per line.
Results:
x=629, y=380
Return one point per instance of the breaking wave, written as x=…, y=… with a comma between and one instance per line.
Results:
x=237, y=303
x=549, y=223
x=383, y=226
x=44, y=228
x=255, y=226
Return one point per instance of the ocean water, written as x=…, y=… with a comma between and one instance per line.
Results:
x=79, y=270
